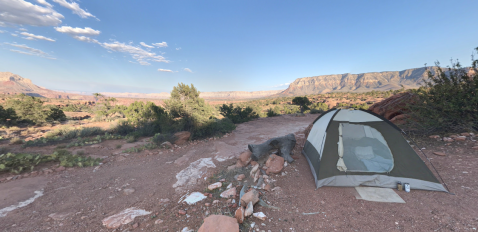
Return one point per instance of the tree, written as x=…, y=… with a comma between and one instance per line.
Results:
x=31, y=109
x=302, y=102
x=98, y=95
x=238, y=114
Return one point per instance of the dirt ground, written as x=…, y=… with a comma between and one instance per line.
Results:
x=78, y=199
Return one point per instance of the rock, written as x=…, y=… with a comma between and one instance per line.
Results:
x=182, y=212
x=240, y=215
x=166, y=145
x=135, y=225
x=207, y=204
x=215, y=202
x=128, y=191
x=232, y=167
x=260, y=215
x=120, y=158
x=222, y=180
x=159, y=221
x=394, y=106
x=465, y=134
x=229, y=186
x=124, y=217
x=181, y=137
x=460, y=138
x=447, y=139
x=253, y=163
x=439, y=153
x=251, y=196
x=61, y=168
x=240, y=177
x=194, y=197
x=245, y=157
x=239, y=164
x=274, y=164
x=229, y=193
x=434, y=136
x=162, y=201
x=256, y=176
x=58, y=216
x=475, y=147
x=214, y=186
x=249, y=209
x=186, y=229
x=454, y=136
x=267, y=187
x=219, y=223
x=254, y=170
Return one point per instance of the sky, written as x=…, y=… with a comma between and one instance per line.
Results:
x=150, y=46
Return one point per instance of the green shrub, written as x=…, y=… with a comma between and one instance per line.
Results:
x=271, y=113
x=449, y=99
x=238, y=114
x=213, y=127
x=7, y=115
x=16, y=140
x=31, y=109
x=302, y=102
x=159, y=138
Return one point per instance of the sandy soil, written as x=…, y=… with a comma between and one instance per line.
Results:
x=83, y=197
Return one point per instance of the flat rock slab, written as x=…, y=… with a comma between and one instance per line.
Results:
x=378, y=195
x=124, y=217
x=15, y=192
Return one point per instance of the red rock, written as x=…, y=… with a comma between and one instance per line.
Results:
x=251, y=196
x=267, y=187
x=234, y=205
x=465, y=134
x=475, y=147
x=460, y=138
x=260, y=215
x=446, y=139
x=219, y=223
x=453, y=136
x=394, y=105
x=181, y=137
x=214, y=186
x=240, y=215
x=245, y=157
x=240, y=177
x=182, y=212
x=229, y=193
x=274, y=164
x=135, y=225
x=207, y=204
x=434, y=136
x=439, y=153
x=253, y=163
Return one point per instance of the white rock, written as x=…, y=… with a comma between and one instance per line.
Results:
x=229, y=193
x=124, y=217
x=194, y=197
x=249, y=209
x=193, y=172
x=214, y=186
x=229, y=186
x=260, y=215
x=254, y=170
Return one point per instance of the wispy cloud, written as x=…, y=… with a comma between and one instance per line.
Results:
x=137, y=53
x=22, y=29
x=25, y=13
x=75, y=7
x=280, y=85
x=32, y=37
x=86, y=39
x=78, y=31
x=45, y=3
x=161, y=45
x=188, y=70
x=145, y=45
x=14, y=35
x=30, y=51
x=2, y=31
x=178, y=48
x=165, y=70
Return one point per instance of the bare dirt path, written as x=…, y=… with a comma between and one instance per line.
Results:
x=79, y=199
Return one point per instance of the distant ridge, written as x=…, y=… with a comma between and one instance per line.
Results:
x=205, y=95
x=364, y=82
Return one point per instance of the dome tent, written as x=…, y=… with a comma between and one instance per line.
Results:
x=347, y=147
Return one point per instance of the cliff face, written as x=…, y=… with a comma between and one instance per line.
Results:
x=14, y=84
x=205, y=95
x=409, y=78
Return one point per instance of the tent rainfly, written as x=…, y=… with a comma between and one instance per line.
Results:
x=347, y=147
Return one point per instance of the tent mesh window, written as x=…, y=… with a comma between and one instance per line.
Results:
x=363, y=149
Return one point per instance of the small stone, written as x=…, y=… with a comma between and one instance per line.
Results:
x=83, y=217
x=229, y=186
x=182, y=212
x=460, y=138
x=214, y=186
x=222, y=180
x=162, y=201
x=251, y=196
x=254, y=170
x=245, y=157
x=434, y=136
x=58, y=216
x=267, y=187
x=240, y=215
x=322, y=202
x=128, y=191
x=135, y=225
x=256, y=176
x=465, y=134
x=240, y=177
x=249, y=209
x=253, y=163
x=274, y=164
x=439, y=153
x=159, y=221
x=229, y=193
x=260, y=215
x=475, y=147
x=447, y=139
x=207, y=204
x=232, y=167
x=215, y=202
x=61, y=168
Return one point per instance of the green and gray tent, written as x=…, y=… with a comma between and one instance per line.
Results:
x=347, y=147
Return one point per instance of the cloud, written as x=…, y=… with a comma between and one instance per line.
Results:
x=86, y=39
x=161, y=45
x=2, y=31
x=45, y=3
x=75, y=7
x=72, y=31
x=137, y=53
x=23, y=12
x=13, y=34
x=165, y=70
x=30, y=51
x=188, y=70
x=32, y=37
x=177, y=49
x=145, y=45
x=280, y=85
x=23, y=29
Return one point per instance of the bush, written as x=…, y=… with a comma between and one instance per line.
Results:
x=449, y=99
x=31, y=109
x=213, y=127
x=271, y=113
x=16, y=140
x=7, y=115
x=238, y=114
x=159, y=138
x=302, y=102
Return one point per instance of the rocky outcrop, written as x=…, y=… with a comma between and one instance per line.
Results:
x=364, y=82
x=394, y=108
x=11, y=84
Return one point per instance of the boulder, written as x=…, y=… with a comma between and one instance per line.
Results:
x=181, y=137
x=274, y=164
x=251, y=196
x=394, y=105
x=219, y=223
